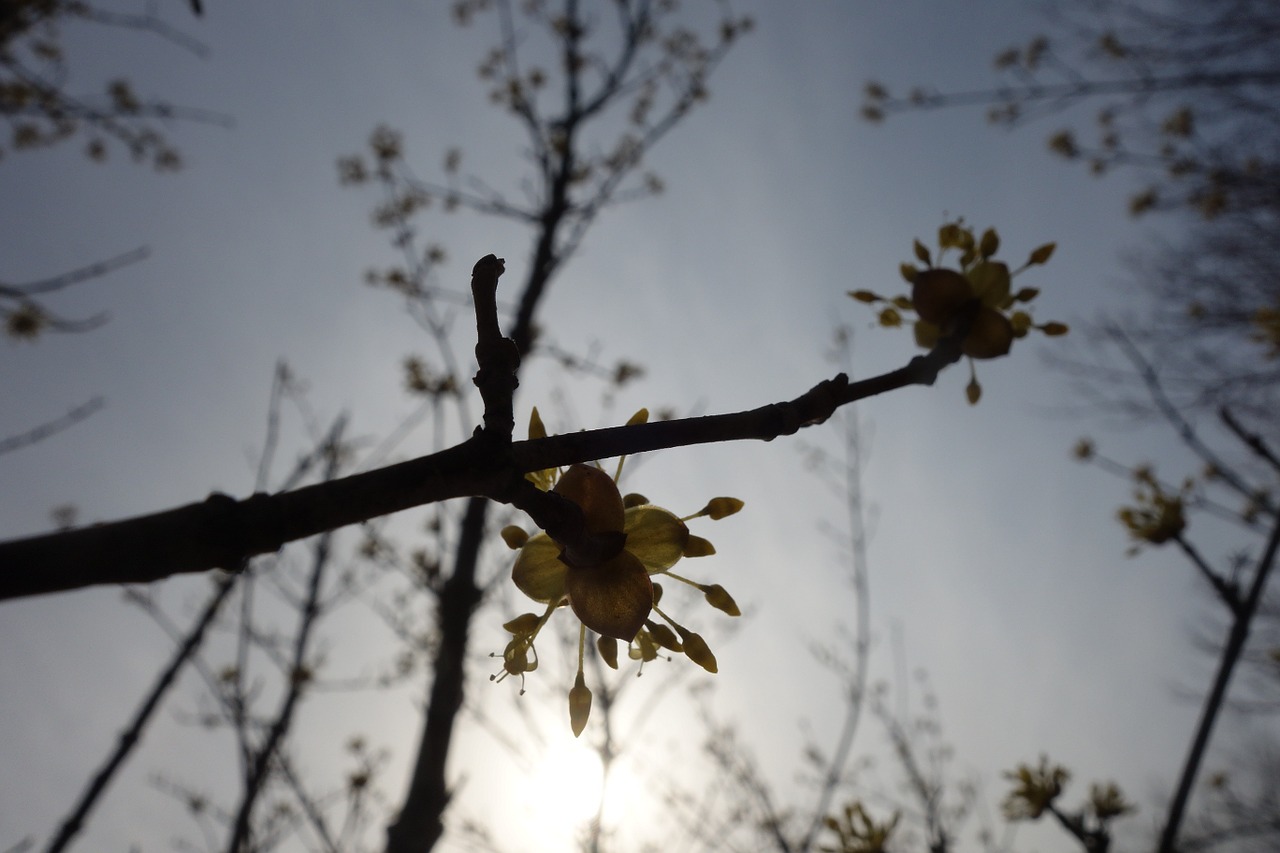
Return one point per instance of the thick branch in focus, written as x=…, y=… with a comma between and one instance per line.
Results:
x=221, y=531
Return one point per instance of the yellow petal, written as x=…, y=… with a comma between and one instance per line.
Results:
x=655, y=536
x=990, y=281
x=596, y=494
x=612, y=599
x=538, y=572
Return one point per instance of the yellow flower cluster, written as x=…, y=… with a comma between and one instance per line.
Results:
x=1034, y=789
x=977, y=298
x=858, y=832
x=610, y=588
x=1157, y=516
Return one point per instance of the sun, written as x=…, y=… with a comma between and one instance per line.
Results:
x=565, y=790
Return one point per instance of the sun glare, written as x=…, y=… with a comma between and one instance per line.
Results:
x=566, y=788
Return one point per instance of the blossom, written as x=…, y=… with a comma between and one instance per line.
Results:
x=976, y=300
x=606, y=579
x=1035, y=789
x=1158, y=515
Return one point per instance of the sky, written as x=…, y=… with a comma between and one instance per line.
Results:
x=995, y=562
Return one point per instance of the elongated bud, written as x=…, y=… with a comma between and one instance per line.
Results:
x=698, y=651
x=1042, y=254
x=719, y=598
x=989, y=243
x=579, y=705
x=718, y=508
x=664, y=636
x=608, y=648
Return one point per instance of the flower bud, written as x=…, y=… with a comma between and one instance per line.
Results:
x=579, y=705
x=696, y=648
x=664, y=636
x=522, y=625
x=515, y=537
x=720, y=599
x=698, y=547
x=718, y=508
x=608, y=648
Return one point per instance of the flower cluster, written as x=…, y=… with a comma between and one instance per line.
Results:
x=976, y=301
x=858, y=832
x=609, y=587
x=1034, y=789
x=1157, y=515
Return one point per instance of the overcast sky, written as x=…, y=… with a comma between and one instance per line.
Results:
x=994, y=557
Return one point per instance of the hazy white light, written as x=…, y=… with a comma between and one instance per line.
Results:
x=565, y=789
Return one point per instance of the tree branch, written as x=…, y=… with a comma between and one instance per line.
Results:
x=130, y=737
x=221, y=531
x=1236, y=639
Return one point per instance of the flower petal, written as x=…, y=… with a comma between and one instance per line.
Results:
x=990, y=281
x=612, y=599
x=938, y=295
x=538, y=572
x=656, y=536
x=596, y=494
x=990, y=336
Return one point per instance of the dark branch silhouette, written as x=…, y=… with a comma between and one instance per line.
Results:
x=221, y=531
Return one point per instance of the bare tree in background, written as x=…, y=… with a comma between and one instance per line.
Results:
x=614, y=84
x=1186, y=100
x=39, y=111
x=633, y=65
